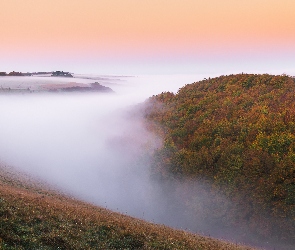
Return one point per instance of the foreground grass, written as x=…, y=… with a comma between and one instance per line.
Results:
x=35, y=218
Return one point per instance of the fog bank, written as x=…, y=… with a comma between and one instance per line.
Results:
x=90, y=146
x=86, y=144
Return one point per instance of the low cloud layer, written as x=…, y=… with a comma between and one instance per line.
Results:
x=89, y=146
x=85, y=144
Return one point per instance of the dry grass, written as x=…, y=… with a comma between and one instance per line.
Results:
x=32, y=217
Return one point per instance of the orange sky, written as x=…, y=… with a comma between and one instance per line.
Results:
x=97, y=31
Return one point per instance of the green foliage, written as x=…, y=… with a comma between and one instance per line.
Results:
x=238, y=132
x=127, y=241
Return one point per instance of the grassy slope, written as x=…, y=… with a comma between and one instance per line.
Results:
x=32, y=217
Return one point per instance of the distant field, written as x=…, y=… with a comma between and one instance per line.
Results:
x=46, y=83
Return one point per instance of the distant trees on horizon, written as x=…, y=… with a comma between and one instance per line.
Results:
x=53, y=73
x=12, y=73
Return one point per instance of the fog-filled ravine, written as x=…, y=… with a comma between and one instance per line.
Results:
x=99, y=148
x=86, y=144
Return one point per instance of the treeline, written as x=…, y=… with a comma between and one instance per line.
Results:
x=13, y=73
x=236, y=135
x=55, y=73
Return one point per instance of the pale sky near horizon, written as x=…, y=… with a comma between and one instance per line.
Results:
x=148, y=37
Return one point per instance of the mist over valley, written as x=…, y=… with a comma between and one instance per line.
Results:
x=85, y=143
x=136, y=150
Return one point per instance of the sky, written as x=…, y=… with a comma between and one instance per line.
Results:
x=148, y=37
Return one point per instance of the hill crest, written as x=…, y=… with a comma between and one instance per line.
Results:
x=236, y=134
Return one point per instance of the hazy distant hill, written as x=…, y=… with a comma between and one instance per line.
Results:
x=235, y=136
x=26, y=84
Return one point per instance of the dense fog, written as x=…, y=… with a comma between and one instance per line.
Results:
x=86, y=143
x=91, y=146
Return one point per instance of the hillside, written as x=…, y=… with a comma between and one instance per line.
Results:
x=33, y=217
x=234, y=136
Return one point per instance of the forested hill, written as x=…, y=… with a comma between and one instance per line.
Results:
x=235, y=133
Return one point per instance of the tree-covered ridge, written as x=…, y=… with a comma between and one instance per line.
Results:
x=236, y=133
